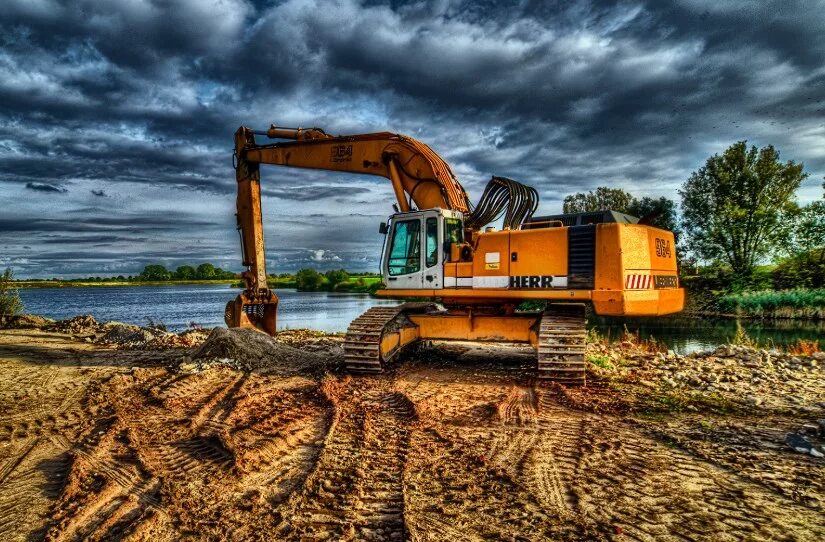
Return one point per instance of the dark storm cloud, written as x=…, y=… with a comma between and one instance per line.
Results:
x=311, y=193
x=137, y=101
x=45, y=187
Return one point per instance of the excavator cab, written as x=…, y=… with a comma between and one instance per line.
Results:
x=417, y=245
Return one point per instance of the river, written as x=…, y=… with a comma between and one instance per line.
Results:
x=179, y=306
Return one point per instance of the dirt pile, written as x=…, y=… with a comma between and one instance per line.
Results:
x=190, y=337
x=125, y=334
x=117, y=334
x=29, y=321
x=84, y=325
x=129, y=336
x=248, y=350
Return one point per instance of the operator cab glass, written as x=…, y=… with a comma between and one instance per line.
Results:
x=453, y=233
x=432, y=241
x=405, y=249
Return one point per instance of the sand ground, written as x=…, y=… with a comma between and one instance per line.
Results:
x=451, y=444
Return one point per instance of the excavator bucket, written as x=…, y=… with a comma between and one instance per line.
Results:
x=260, y=314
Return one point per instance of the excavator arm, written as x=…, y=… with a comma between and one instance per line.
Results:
x=418, y=175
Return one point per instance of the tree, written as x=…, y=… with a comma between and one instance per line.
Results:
x=806, y=228
x=733, y=206
x=336, y=277
x=308, y=280
x=154, y=272
x=602, y=199
x=222, y=274
x=660, y=212
x=10, y=304
x=205, y=271
x=185, y=272
x=805, y=270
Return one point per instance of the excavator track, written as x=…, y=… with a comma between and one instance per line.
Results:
x=562, y=335
x=361, y=344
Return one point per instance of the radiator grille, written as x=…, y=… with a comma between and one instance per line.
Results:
x=581, y=257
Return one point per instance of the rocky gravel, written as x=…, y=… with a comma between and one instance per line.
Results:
x=740, y=375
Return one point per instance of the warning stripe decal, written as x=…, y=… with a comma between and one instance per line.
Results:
x=638, y=282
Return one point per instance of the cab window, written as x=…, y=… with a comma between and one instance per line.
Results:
x=405, y=250
x=432, y=241
x=453, y=233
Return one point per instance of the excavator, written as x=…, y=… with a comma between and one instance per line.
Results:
x=461, y=278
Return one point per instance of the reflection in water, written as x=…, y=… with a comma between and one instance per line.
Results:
x=178, y=306
x=687, y=334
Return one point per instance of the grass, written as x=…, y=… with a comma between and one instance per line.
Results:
x=741, y=338
x=10, y=304
x=797, y=303
x=680, y=401
x=600, y=361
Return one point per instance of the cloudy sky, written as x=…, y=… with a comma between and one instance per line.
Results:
x=117, y=116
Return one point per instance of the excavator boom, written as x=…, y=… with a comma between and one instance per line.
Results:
x=418, y=175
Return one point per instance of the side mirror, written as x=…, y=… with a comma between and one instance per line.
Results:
x=383, y=229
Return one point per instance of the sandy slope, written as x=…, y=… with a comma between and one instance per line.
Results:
x=99, y=444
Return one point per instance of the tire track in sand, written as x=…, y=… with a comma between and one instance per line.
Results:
x=355, y=491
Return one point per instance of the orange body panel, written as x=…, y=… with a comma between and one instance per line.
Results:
x=477, y=328
x=492, y=254
x=393, y=341
x=539, y=252
x=609, y=254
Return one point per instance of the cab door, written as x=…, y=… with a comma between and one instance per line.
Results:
x=403, y=268
x=433, y=257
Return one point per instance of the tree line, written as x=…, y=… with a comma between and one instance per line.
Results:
x=205, y=271
x=738, y=210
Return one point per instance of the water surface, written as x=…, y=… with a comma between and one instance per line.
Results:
x=180, y=306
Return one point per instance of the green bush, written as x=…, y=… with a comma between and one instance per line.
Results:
x=184, y=272
x=308, y=280
x=10, y=304
x=806, y=270
x=335, y=278
x=799, y=303
x=154, y=273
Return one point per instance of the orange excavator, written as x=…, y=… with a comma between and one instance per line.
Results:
x=469, y=279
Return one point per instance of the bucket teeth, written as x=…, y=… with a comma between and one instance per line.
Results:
x=562, y=334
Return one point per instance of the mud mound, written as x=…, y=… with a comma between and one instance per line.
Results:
x=130, y=336
x=189, y=338
x=247, y=350
x=30, y=321
x=79, y=325
x=127, y=334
